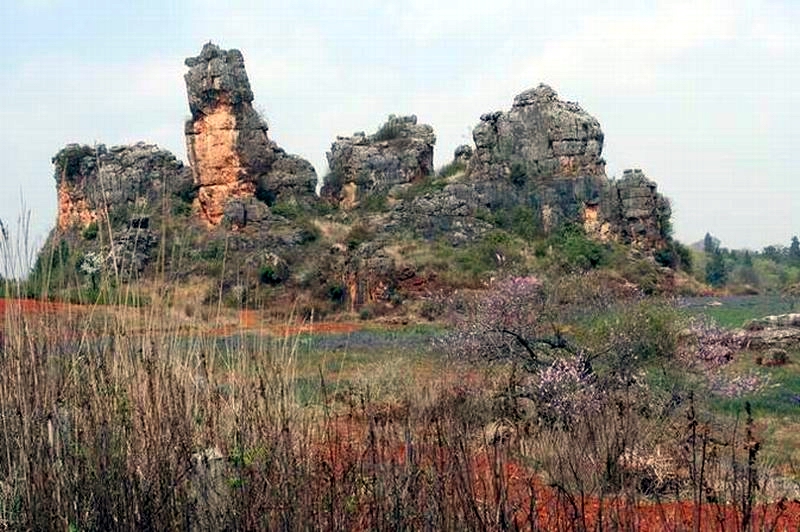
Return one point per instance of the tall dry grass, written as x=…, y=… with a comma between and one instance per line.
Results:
x=120, y=420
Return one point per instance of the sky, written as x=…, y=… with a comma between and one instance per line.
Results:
x=702, y=95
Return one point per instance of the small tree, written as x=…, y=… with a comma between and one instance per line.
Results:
x=794, y=251
x=710, y=244
x=716, y=270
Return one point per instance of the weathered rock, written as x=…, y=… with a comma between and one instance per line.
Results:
x=111, y=202
x=772, y=332
x=543, y=153
x=228, y=148
x=462, y=154
x=132, y=250
x=120, y=181
x=400, y=152
x=631, y=211
x=546, y=154
x=541, y=137
x=450, y=212
x=370, y=275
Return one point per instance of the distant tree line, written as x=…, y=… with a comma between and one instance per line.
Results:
x=774, y=268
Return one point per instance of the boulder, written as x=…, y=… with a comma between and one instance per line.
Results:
x=772, y=332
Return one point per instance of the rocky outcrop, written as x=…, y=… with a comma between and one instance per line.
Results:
x=229, y=151
x=400, y=152
x=116, y=193
x=544, y=153
x=119, y=182
x=632, y=211
x=541, y=137
x=772, y=332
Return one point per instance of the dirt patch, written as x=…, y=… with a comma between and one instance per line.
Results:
x=34, y=306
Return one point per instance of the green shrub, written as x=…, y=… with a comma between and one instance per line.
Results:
x=389, y=130
x=519, y=174
x=337, y=292
x=90, y=232
x=520, y=220
x=269, y=275
x=575, y=250
x=374, y=202
x=287, y=209
x=495, y=250
x=451, y=169
x=421, y=187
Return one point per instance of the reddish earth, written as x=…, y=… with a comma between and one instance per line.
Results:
x=532, y=505
x=35, y=306
x=247, y=319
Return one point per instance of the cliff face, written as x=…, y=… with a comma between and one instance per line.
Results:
x=541, y=136
x=230, y=154
x=120, y=181
x=544, y=154
x=634, y=211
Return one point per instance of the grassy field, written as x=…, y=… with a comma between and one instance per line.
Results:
x=735, y=311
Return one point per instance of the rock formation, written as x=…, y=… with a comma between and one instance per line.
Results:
x=632, y=211
x=229, y=151
x=541, y=136
x=543, y=153
x=120, y=181
x=400, y=152
x=116, y=191
x=246, y=211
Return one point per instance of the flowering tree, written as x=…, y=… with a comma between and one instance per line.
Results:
x=511, y=322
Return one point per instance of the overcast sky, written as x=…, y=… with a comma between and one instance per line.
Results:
x=703, y=95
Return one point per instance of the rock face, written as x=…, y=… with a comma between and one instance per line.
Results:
x=116, y=190
x=546, y=154
x=400, y=152
x=122, y=181
x=543, y=153
x=228, y=148
x=541, y=136
x=633, y=211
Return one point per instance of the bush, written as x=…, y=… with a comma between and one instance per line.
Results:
x=390, y=130
x=337, y=293
x=451, y=169
x=90, y=232
x=575, y=250
x=269, y=275
x=522, y=221
x=358, y=234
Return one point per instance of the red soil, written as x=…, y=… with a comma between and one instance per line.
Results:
x=533, y=505
x=34, y=306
